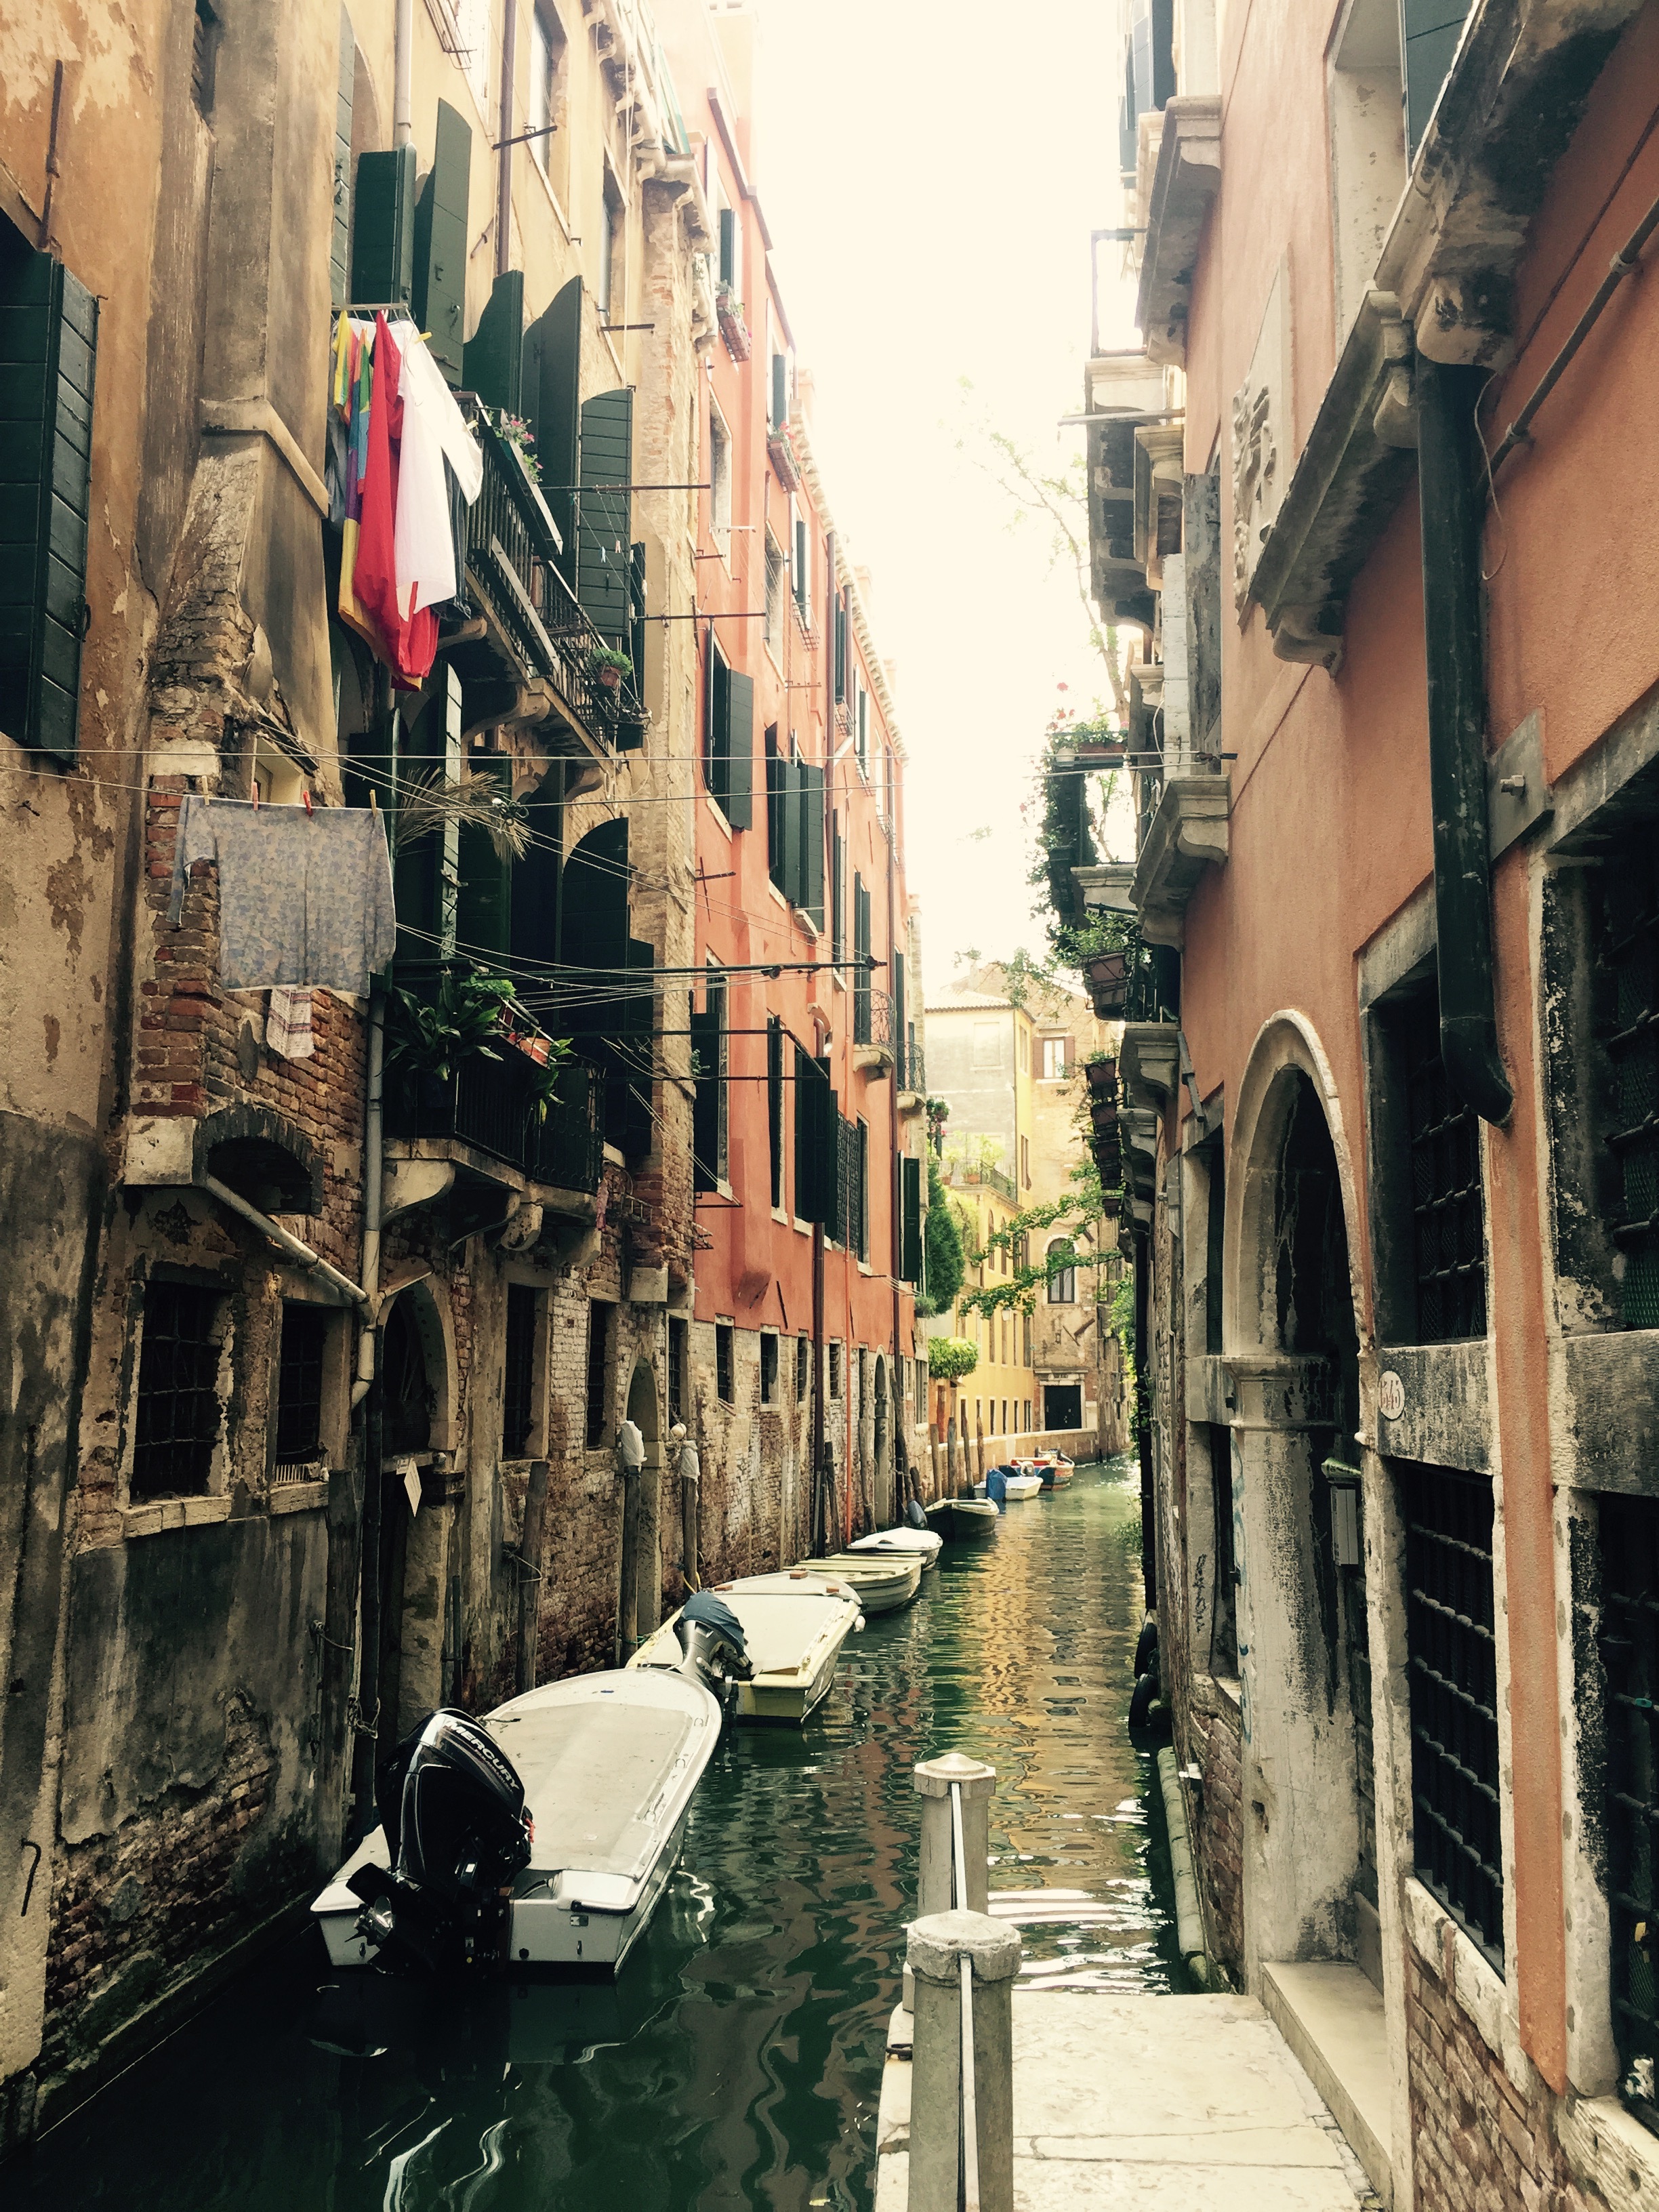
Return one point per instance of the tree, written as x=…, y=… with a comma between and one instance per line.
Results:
x=951, y=1357
x=1076, y=1218
x=942, y=1261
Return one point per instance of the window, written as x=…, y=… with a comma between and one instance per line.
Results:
x=203, y=53
x=599, y=1370
x=519, y=1376
x=795, y=821
x=728, y=738
x=547, y=56
x=775, y=566
x=1025, y=1164
x=725, y=1368
x=1054, y=1058
x=863, y=733
x=1625, y=953
x=1062, y=1280
x=768, y=1370
x=834, y=1371
x=710, y=1047
x=863, y=999
x=731, y=251
x=720, y=481
x=610, y=298
x=1024, y=1051
x=679, y=1354
x=177, y=1410
x=774, y=1105
x=1448, y=1216
x=1368, y=144
x=1629, y=1644
x=1452, y=1666
x=802, y=580
x=778, y=415
x=1213, y=1159
x=803, y=1364
x=1062, y=1405
x=1223, y=1638
x=300, y=1384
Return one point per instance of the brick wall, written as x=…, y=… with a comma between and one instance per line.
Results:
x=1213, y=1744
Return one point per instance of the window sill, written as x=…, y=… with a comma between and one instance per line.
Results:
x=1608, y=2146
x=297, y=1497
x=1475, y=1981
x=157, y=1515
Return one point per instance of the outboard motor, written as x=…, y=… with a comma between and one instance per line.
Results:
x=714, y=1649
x=458, y=1835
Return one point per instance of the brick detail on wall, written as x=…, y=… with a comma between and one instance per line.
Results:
x=1214, y=1739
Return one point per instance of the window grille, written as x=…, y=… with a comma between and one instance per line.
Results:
x=1630, y=1654
x=599, y=1345
x=768, y=1369
x=1626, y=938
x=834, y=1371
x=803, y=1364
x=679, y=1354
x=1452, y=1667
x=725, y=1384
x=518, y=1395
x=178, y=1412
x=300, y=1388
x=1447, y=1211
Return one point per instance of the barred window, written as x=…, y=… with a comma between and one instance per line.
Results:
x=518, y=1382
x=1630, y=1656
x=768, y=1369
x=599, y=1368
x=679, y=1353
x=1447, y=1211
x=1625, y=939
x=177, y=1410
x=803, y=1364
x=726, y=1375
x=1452, y=1661
x=300, y=1384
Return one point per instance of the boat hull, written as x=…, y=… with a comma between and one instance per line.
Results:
x=964, y=1519
x=795, y=1622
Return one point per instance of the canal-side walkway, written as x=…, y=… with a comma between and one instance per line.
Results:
x=1147, y=2103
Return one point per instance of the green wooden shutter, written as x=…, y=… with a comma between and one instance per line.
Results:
x=635, y=633
x=339, y=258
x=841, y=646
x=910, y=1218
x=812, y=843
x=484, y=904
x=705, y=1102
x=779, y=390
x=740, y=749
x=383, y=228
x=728, y=246
x=537, y=873
x=861, y=1030
x=817, y=1123
x=603, y=554
x=838, y=890
x=716, y=679
x=552, y=385
x=48, y=352
x=774, y=1104
x=440, y=292
x=895, y=985
x=492, y=364
x=789, y=792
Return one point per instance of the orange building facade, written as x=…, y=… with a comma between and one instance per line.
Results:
x=1384, y=1123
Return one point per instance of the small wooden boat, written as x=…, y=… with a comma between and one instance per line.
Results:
x=1026, y=1485
x=1056, y=1470
x=794, y=1624
x=884, y=1581
x=963, y=1519
x=607, y=1763
x=924, y=1544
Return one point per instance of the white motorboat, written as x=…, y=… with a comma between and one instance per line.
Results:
x=964, y=1518
x=1023, y=1486
x=794, y=1624
x=567, y=1802
x=926, y=1543
x=884, y=1582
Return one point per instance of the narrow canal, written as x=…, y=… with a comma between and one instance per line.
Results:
x=737, y=2061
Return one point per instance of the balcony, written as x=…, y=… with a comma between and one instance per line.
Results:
x=874, y=1050
x=481, y=1120
x=912, y=1076
x=780, y=451
x=1184, y=182
x=1185, y=832
x=536, y=625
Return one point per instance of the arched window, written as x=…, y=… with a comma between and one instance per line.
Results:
x=1062, y=1281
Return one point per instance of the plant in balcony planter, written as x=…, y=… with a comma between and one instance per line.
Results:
x=518, y=433
x=432, y=1036
x=608, y=668
x=1100, y=1072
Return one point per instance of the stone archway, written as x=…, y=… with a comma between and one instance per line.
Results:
x=420, y=1657
x=1294, y=1332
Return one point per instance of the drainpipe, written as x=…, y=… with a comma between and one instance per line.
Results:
x=301, y=1255
x=365, y=1740
x=504, y=171
x=1451, y=512
x=403, y=72
x=373, y=1168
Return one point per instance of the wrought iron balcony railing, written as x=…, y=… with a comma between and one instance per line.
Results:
x=912, y=1068
x=489, y=1105
x=873, y=1012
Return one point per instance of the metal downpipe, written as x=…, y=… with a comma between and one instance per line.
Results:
x=1448, y=459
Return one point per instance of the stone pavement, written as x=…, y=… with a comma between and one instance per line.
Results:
x=1148, y=2104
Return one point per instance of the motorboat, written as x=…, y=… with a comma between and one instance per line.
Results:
x=1053, y=1469
x=963, y=1518
x=543, y=1833
x=1021, y=1485
x=925, y=1544
x=793, y=1624
x=884, y=1583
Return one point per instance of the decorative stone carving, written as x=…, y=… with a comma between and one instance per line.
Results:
x=1261, y=443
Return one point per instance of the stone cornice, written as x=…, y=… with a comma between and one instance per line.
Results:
x=1185, y=181
x=1187, y=834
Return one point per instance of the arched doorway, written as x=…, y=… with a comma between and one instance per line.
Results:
x=638, y=1607
x=419, y=1614
x=1293, y=1351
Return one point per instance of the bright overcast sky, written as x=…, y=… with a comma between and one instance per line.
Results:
x=930, y=173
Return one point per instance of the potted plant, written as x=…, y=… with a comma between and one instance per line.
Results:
x=1100, y=1072
x=608, y=668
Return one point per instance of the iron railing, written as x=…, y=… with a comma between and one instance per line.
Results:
x=873, y=1012
x=512, y=559
x=1448, y=1205
x=490, y=1105
x=1626, y=940
x=989, y=1177
x=913, y=1066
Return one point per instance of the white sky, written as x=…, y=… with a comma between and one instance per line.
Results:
x=930, y=173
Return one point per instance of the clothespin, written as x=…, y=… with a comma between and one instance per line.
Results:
x=305, y=795
x=374, y=802
x=256, y=794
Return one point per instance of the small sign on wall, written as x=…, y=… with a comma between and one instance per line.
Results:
x=1390, y=1395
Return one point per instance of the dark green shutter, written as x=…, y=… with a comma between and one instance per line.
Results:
x=779, y=390
x=728, y=246
x=740, y=749
x=339, y=257
x=1430, y=30
x=552, y=385
x=774, y=1104
x=838, y=890
x=633, y=739
x=383, y=229
x=812, y=843
x=493, y=363
x=705, y=1102
x=901, y=1042
x=484, y=905
x=537, y=871
x=775, y=865
x=716, y=680
x=48, y=351
x=910, y=1217
x=791, y=885
x=861, y=1030
x=439, y=294
x=603, y=554
x=841, y=646
x=817, y=1130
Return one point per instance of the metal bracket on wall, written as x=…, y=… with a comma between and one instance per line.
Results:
x=1518, y=797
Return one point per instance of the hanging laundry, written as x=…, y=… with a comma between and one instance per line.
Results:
x=374, y=576
x=305, y=898
x=434, y=433
x=287, y=1021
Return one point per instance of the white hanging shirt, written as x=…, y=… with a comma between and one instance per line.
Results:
x=433, y=432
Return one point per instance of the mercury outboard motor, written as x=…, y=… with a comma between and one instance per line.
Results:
x=713, y=1650
x=458, y=1835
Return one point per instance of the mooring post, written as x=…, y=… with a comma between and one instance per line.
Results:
x=977, y=1783
x=962, y=1966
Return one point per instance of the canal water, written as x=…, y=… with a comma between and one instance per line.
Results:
x=737, y=2063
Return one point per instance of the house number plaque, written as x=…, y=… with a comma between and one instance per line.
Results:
x=1390, y=1395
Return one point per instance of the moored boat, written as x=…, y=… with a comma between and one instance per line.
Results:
x=542, y=1834
x=1025, y=1484
x=963, y=1519
x=884, y=1581
x=794, y=1624
x=924, y=1544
